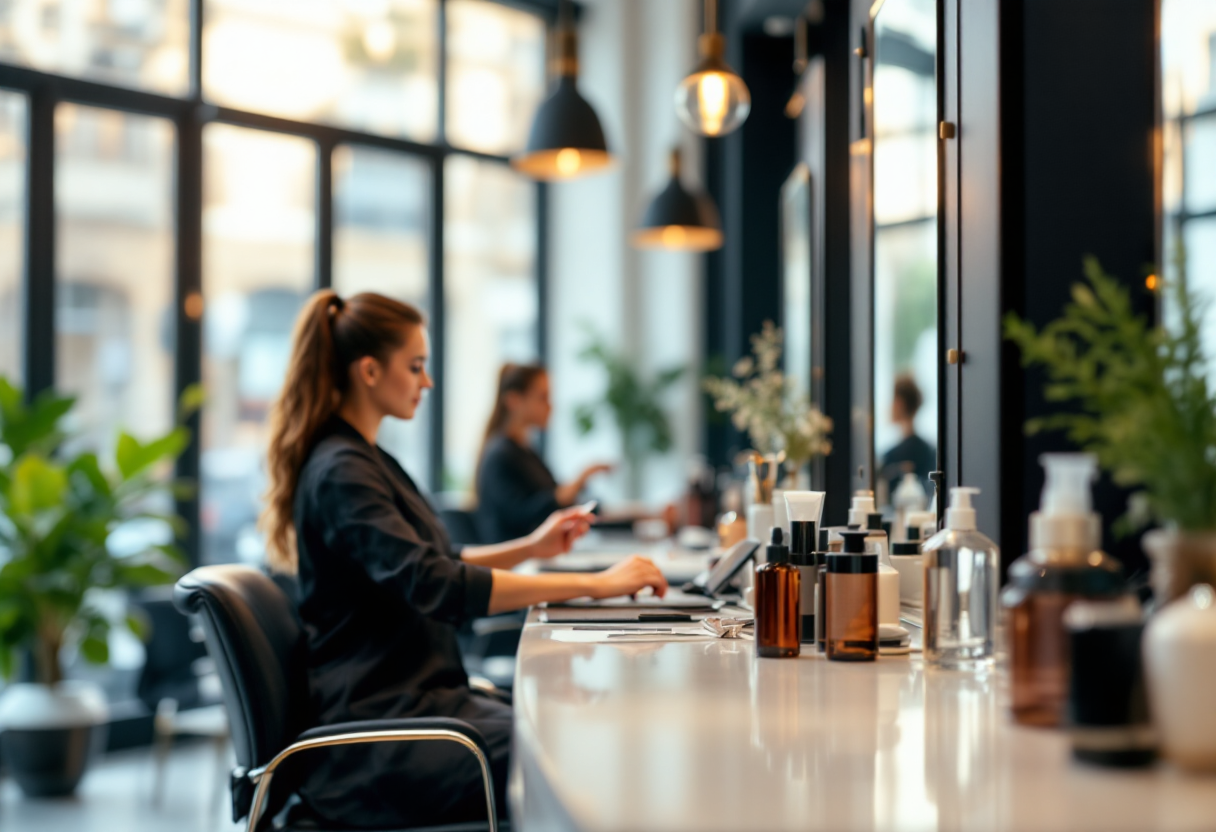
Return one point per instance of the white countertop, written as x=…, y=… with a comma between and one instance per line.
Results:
x=702, y=735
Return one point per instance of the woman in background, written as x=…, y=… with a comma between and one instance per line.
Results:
x=515, y=489
x=381, y=587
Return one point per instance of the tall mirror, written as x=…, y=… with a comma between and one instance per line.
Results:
x=905, y=248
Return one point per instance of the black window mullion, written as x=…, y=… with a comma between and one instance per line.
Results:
x=437, y=324
x=40, y=243
x=188, y=310
x=542, y=284
x=325, y=215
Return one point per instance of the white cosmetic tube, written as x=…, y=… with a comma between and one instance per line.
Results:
x=805, y=506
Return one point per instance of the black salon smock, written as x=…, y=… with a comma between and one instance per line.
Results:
x=381, y=595
x=516, y=492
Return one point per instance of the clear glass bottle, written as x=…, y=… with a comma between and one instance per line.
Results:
x=821, y=589
x=852, y=601
x=1064, y=565
x=778, y=590
x=961, y=580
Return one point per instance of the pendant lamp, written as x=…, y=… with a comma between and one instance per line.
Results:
x=678, y=220
x=713, y=100
x=566, y=139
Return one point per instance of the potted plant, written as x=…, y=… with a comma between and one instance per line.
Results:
x=634, y=405
x=782, y=424
x=62, y=576
x=1145, y=408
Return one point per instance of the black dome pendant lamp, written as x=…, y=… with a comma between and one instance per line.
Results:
x=678, y=220
x=566, y=139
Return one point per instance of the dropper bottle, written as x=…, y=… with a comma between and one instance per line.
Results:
x=1064, y=565
x=961, y=576
x=778, y=613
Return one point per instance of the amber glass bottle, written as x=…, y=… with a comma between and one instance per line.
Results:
x=852, y=601
x=778, y=617
x=1064, y=565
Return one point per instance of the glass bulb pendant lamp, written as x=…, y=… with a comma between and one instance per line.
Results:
x=678, y=220
x=566, y=139
x=713, y=100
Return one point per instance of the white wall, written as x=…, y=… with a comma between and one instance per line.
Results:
x=633, y=54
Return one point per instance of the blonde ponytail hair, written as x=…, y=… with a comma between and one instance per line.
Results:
x=329, y=335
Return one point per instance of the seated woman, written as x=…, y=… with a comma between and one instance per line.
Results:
x=515, y=489
x=382, y=590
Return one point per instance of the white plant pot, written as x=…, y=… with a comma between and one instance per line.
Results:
x=1180, y=658
x=48, y=734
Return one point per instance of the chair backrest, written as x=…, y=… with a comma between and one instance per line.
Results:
x=171, y=663
x=461, y=526
x=258, y=647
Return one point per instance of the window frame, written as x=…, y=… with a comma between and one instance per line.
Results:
x=190, y=115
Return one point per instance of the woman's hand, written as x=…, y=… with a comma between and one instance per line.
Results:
x=558, y=533
x=627, y=578
x=591, y=470
x=568, y=492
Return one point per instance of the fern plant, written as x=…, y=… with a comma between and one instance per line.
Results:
x=1143, y=398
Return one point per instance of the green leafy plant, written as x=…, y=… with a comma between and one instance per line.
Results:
x=766, y=403
x=58, y=514
x=633, y=403
x=1144, y=405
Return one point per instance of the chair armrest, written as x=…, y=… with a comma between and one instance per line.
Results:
x=415, y=729
x=417, y=723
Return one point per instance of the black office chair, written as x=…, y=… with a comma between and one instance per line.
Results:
x=256, y=641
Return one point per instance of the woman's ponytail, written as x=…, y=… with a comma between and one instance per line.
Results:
x=330, y=333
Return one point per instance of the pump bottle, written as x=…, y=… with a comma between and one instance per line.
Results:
x=961, y=577
x=1064, y=565
x=863, y=516
x=778, y=615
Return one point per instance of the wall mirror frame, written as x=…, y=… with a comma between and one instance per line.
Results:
x=902, y=102
x=802, y=355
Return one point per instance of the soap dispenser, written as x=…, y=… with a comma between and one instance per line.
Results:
x=778, y=613
x=1064, y=565
x=962, y=571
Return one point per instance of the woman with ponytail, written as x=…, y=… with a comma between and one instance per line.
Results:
x=382, y=589
x=515, y=489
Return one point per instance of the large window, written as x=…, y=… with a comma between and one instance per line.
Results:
x=367, y=66
x=490, y=297
x=382, y=227
x=181, y=212
x=13, y=114
x=496, y=75
x=259, y=230
x=114, y=239
x=1188, y=94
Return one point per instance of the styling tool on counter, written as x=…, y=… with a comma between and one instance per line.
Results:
x=777, y=602
x=961, y=580
x=852, y=601
x=1064, y=565
x=727, y=627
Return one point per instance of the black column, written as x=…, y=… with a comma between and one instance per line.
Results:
x=1078, y=115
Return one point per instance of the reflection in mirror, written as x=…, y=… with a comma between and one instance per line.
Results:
x=905, y=248
x=796, y=276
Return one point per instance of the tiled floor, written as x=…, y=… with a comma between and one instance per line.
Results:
x=116, y=796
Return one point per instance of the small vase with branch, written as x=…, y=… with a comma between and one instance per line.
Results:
x=785, y=429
